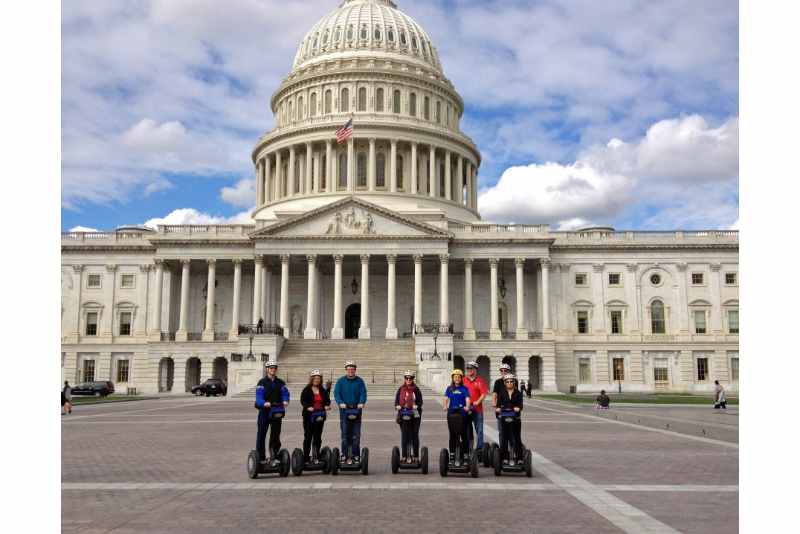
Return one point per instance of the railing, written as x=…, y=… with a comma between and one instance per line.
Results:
x=433, y=328
x=267, y=329
x=206, y=229
x=643, y=236
x=92, y=237
x=499, y=228
x=194, y=336
x=435, y=356
x=167, y=336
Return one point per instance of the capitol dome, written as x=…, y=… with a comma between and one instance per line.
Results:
x=369, y=62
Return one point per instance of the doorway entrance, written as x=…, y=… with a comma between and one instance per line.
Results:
x=352, y=321
x=535, y=372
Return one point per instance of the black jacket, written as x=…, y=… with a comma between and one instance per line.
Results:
x=417, y=397
x=504, y=402
x=307, y=399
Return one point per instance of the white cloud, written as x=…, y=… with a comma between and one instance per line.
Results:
x=193, y=216
x=83, y=229
x=573, y=224
x=242, y=194
x=149, y=136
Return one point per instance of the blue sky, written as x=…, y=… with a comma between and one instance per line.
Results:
x=622, y=113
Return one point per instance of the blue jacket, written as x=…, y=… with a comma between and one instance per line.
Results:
x=350, y=391
x=274, y=392
x=458, y=396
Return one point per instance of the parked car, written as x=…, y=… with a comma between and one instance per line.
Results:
x=212, y=386
x=97, y=389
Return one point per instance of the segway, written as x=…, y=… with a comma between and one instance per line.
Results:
x=515, y=465
x=363, y=464
x=407, y=418
x=270, y=466
x=448, y=463
x=321, y=460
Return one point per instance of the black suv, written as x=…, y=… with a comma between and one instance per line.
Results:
x=212, y=386
x=98, y=389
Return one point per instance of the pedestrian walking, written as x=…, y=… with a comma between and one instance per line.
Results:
x=66, y=398
x=719, y=396
x=260, y=326
x=603, y=401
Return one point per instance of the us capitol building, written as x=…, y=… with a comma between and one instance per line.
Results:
x=374, y=250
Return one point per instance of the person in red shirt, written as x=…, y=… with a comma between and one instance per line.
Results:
x=315, y=399
x=477, y=392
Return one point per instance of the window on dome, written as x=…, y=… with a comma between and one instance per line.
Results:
x=337, y=37
x=403, y=38
x=350, y=33
x=438, y=112
x=316, y=43
x=396, y=102
x=380, y=175
x=390, y=34
x=379, y=100
x=361, y=173
x=448, y=114
x=328, y=100
x=291, y=111
x=325, y=37
x=312, y=105
x=412, y=105
x=427, y=109
x=377, y=36
x=414, y=43
x=300, y=108
x=362, y=99
x=399, y=173
x=344, y=102
x=364, y=33
x=342, y=171
x=424, y=48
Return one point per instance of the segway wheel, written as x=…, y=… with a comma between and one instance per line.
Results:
x=423, y=460
x=298, y=462
x=325, y=457
x=487, y=455
x=365, y=461
x=495, y=447
x=444, y=462
x=497, y=461
x=473, y=465
x=395, y=460
x=252, y=464
x=283, y=456
x=528, y=462
x=335, y=461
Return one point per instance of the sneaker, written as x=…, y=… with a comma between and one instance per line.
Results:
x=349, y=461
x=357, y=459
x=343, y=459
x=276, y=462
x=505, y=462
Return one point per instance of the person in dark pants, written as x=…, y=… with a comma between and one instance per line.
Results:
x=457, y=404
x=314, y=398
x=350, y=392
x=510, y=398
x=505, y=369
x=410, y=397
x=66, y=398
x=271, y=392
x=260, y=326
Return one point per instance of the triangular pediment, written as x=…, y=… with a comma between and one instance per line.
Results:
x=354, y=218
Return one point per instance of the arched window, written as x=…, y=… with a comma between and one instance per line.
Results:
x=403, y=38
x=396, y=101
x=412, y=105
x=379, y=100
x=361, y=173
x=291, y=111
x=424, y=49
x=364, y=33
x=400, y=173
x=300, y=108
x=427, y=109
x=344, y=102
x=350, y=33
x=448, y=114
x=438, y=112
x=312, y=105
x=343, y=171
x=657, y=323
x=325, y=38
x=390, y=35
x=377, y=35
x=323, y=173
x=328, y=101
x=380, y=175
x=337, y=37
x=414, y=43
x=316, y=43
x=362, y=99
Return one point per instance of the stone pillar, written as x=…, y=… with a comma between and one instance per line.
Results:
x=237, y=295
x=417, y=291
x=329, y=185
x=208, y=332
x=494, y=325
x=682, y=304
x=433, y=182
x=364, y=331
x=448, y=178
x=545, y=262
x=522, y=331
x=371, y=165
x=473, y=186
x=267, y=182
x=632, y=294
x=393, y=166
x=460, y=181
x=351, y=178
x=469, y=325
x=278, y=179
x=444, y=291
x=182, y=334
x=599, y=317
x=337, y=332
x=291, y=177
x=309, y=169
x=391, y=312
x=158, y=303
x=140, y=327
x=257, y=289
x=311, y=300
x=109, y=286
x=414, y=170
x=259, y=183
x=76, y=331
x=716, y=299
x=266, y=290
x=284, y=318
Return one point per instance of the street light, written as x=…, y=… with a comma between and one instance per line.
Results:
x=250, y=336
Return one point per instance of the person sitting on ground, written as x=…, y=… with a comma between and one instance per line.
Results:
x=409, y=397
x=603, y=400
x=719, y=396
x=510, y=399
x=314, y=398
x=457, y=404
x=350, y=392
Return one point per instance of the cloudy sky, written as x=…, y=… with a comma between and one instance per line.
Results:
x=620, y=113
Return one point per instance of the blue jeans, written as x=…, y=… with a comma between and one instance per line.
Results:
x=351, y=434
x=476, y=420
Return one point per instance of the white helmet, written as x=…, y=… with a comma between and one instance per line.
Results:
x=509, y=376
x=350, y=363
x=505, y=367
x=472, y=364
x=271, y=363
x=408, y=373
x=315, y=372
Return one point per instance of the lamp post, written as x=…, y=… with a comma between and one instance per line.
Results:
x=435, y=356
x=250, y=356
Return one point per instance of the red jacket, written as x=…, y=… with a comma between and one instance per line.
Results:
x=476, y=388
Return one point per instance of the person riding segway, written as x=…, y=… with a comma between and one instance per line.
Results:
x=459, y=457
x=272, y=398
x=511, y=456
x=408, y=404
x=316, y=402
x=505, y=369
x=477, y=392
x=350, y=393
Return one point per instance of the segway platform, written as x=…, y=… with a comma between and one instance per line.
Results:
x=515, y=465
x=406, y=416
x=319, y=462
x=448, y=463
x=256, y=468
x=362, y=465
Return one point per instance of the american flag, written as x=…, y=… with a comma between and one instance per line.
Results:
x=345, y=132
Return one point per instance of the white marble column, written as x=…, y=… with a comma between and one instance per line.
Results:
x=469, y=325
x=364, y=330
x=109, y=287
x=267, y=182
x=469, y=185
x=237, y=295
x=257, y=272
x=158, y=303
x=329, y=184
x=266, y=289
x=433, y=182
x=417, y=291
x=460, y=181
x=259, y=183
x=522, y=331
x=444, y=291
x=182, y=334
x=414, y=170
x=311, y=299
x=208, y=332
x=371, y=165
x=391, y=312
x=393, y=166
x=284, y=318
x=351, y=162
x=546, y=294
x=140, y=329
x=632, y=294
x=598, y=298
x=716, y=299
x=494, y=325
x=278, y=179
x=290, y=175
x=309, y=169
x=76, y=331
x=448, y=178
x=683, y=310
x=337, y=332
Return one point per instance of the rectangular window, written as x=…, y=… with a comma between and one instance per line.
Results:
x=581, y=279
x=616, y=322
x=730, y=279
x=697, y=279
x=702, y=369
x=122, y=371
x=660, y=371
x=93, y=281
x=619, y=369
x=583, y=322
x=733, y=321
x=88, y=370
x=91, y=324
x=127, y=281
x=613, y=279
x=125, y=323
x=699, y=322
x=585, y=370
x=734, y=369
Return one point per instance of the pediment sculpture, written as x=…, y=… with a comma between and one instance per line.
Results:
x=351, y=222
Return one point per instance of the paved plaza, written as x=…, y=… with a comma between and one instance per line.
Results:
x=178, y=465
